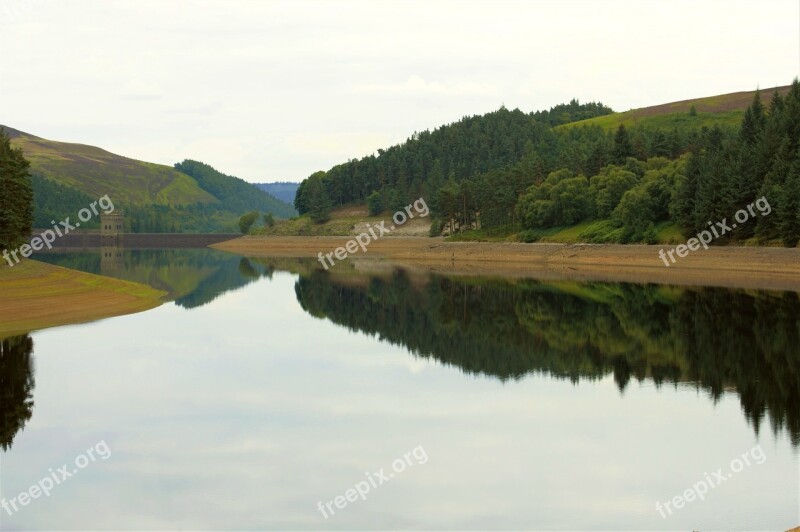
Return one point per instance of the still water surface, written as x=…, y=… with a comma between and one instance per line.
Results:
x=265, y=387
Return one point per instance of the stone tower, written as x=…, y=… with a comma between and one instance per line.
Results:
x=112, y=225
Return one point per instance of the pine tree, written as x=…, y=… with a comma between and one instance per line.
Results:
x=317, y=199
x=748, y=168
x=16, y=195
x=788, y=208
x=622, y=146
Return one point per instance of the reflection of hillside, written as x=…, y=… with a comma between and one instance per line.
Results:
x=191, y=277
x=717, y=338
x=16, y=387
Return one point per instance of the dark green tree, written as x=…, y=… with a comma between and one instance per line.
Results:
x=317, y=201
x=375, y=203
x=16, y=386
x=246, y=222
x=16, y=195
x=622, y=148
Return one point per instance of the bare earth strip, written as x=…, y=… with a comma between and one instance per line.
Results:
x=741, y=267
x=35, y=295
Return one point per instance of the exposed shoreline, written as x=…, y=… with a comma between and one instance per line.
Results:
x=736, y=267
x=35, y=295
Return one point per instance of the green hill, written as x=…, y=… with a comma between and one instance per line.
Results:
x=723, y=110
x=238, y=194
x=97, y=172
x=192, y=197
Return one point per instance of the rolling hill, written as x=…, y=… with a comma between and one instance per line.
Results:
x=97, y=172
x=191, y=197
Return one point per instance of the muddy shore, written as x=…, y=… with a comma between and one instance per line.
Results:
x=740, y=267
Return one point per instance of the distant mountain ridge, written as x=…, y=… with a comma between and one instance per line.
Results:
x=283, y=190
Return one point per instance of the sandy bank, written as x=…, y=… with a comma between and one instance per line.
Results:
x=744, y=267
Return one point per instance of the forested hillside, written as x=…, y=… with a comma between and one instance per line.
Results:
x=236, y=194
x=532, y=175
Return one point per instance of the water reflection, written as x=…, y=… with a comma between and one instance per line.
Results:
x=719, y=340
x=16, y=387
x=270, y=400
x=716, y=339
x=191, y=277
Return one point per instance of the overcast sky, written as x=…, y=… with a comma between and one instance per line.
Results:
x=277, y=90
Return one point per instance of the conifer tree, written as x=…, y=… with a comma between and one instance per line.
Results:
x=622, y=146
x=16, y=195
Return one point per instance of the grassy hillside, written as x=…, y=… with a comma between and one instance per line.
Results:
x=193, y=197
x=96, y=172
x=723, y=109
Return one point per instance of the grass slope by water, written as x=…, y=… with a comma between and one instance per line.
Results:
x=344, y=221
x=34, y=295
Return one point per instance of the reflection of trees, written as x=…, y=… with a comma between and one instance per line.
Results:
x=717, y=338
x=16, y=386
x=248, y=271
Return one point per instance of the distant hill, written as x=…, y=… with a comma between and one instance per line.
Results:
x=723, y=109
x=192, y=197
x=239, y=194
x=283, y=190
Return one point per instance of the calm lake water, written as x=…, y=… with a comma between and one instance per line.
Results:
x=266, y=387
